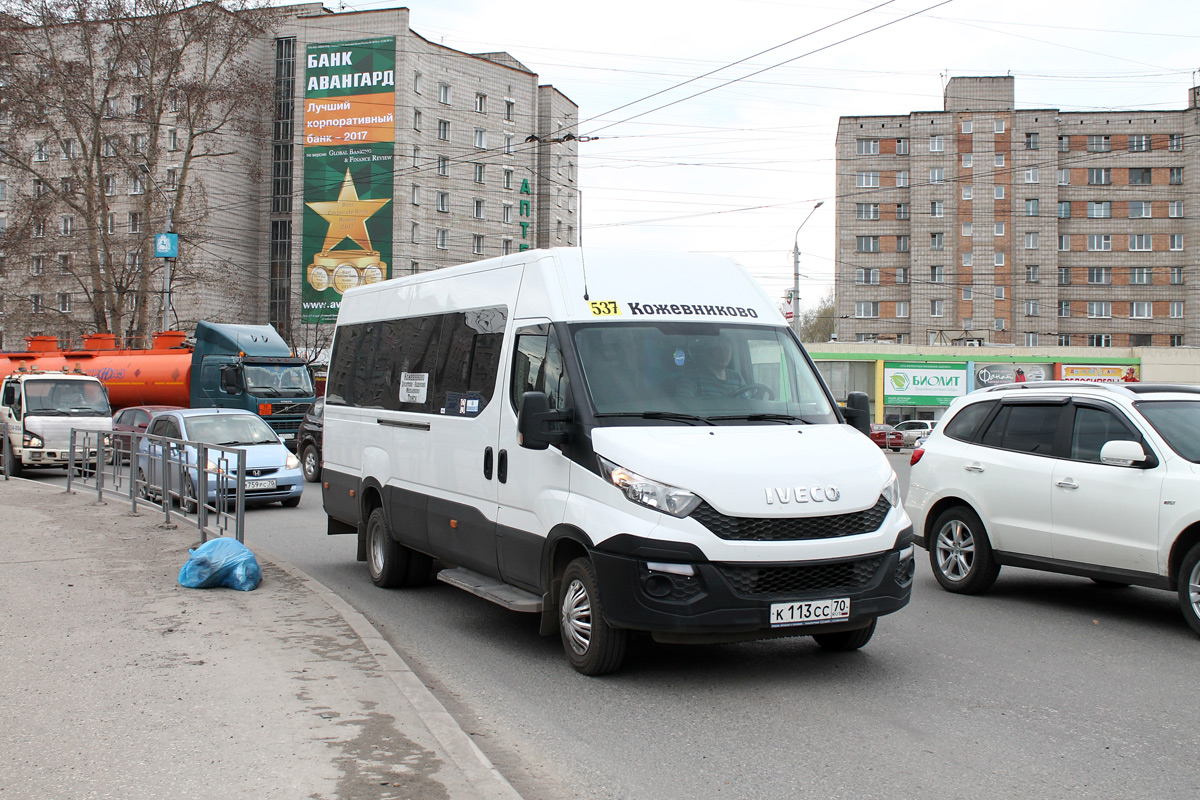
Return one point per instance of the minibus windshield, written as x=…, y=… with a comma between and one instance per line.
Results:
x=699, y=374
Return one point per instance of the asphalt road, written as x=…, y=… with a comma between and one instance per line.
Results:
x=1046, y=687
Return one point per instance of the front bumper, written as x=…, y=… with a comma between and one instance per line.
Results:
x=732, y=601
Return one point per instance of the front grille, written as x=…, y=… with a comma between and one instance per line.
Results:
x=784, y=529
x=297, y=409
x=754, y=581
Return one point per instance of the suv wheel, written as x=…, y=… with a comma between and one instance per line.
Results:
x=1189, y=587
x=310, y=462
x=960, y=554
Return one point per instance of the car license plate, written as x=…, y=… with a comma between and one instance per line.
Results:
x=260, y=485
x=287, y=436
x=810, y=611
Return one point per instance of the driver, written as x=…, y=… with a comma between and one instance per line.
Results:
x=712, y=374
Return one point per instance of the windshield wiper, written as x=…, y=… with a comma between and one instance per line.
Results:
x=271, y=390
x=656, y=415
x=769, y=417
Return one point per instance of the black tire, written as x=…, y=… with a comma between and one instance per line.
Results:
x=1189, y=587
x=290, y=502
x=592, y=647
x=844, y=641
x=960, y=553
x=310, y=463
x=895, y=449
x=143, y=486
x=188, y=502
x=391, y=564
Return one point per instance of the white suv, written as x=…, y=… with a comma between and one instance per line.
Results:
x=1096, y=480
x=914, y=429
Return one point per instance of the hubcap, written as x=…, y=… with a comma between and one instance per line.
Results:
x=577, y=617
x=955, y=550
x=310, y=462
x=376, y=552
x=1194, y=589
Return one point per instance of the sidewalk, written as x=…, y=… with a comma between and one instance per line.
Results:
x=117, y=682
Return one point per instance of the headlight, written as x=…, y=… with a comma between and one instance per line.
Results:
x=214, y=467
x=293, y=462
x=31, y=440
x=652, y=494
x=891, y=491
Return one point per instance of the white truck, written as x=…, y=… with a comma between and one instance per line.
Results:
x=617, y=441
x=39, y=409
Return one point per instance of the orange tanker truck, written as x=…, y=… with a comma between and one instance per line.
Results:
x=225, y=366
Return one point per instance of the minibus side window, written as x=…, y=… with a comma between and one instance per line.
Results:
x=538, y=367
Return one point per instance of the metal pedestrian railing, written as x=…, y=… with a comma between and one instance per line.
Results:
x=189, y=482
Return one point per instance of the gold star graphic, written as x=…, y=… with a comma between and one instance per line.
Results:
x=347, y=216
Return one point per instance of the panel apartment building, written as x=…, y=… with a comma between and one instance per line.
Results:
x=383, y=154
x=984, y=224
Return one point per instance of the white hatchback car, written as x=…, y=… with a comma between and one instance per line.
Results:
x=1096, y=480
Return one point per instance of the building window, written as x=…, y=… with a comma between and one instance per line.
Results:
x=866, y=277
x=902, y=309
x=1140, y=176
x=998, y=292
x=937, y=241
x=1031, y=340
x=1064, y=209
x=444, y=93
x=902, y=211
x=936, y=208
x=936, y=144
x=1099, y=210
x=64, y=302
x=1099, y=309
x=1064, y=177
x=937, y=175
x=1099, y=340
x=998, y=229
x=937, y=274
x=867, y=180
x=416, y=195
x=968, y=258
x=1099, y=176
x=1064, y=144
x=998, y=192
x=443, y=202
x=1139, y=209
x=67, y=226
x=902, y=178
x=1031, y=240
x=1099, y=242
x=1064, y=276
x=1175, y=209
x=506, y=212
x=998, y=160
x=1031, y=141
x=443, y=165
x=415, y=233
x=508, y=145
x=1176, y=177
x=1064, y=243
x=1139, y=143
x=509, y=108
x=1175, y=141
x=443, y=239
x=110, y=185
x=999, y=126
x=35, y=303
x=136, y=186
x=867, y=147
x=1099, y=275
x=867, y=211
x=1064, y=340
x=968, y=126
x=902, y=147
x=1064, y=308
x=968, y=293
x=480, y=103
x=477, y=244
x=1032, y=308
x=998, y=260
x=508, y=179
x=479, y=173
x=867, y=244
x=1139, y=241
x=1099, y=144
x=1140, y=310
x=968, y=160
x=901, y=275
x=968, y=191
x=865, y=310
x=936, y=308
x=1176, y=340
x=1175, y=276
x=1031, y=174
x=968, y=323
x=902, y=244
x=1141, y=276
x=999, y=323
x=481, y=138
x=1176, y=241
x=968, y=229
x=135, y=222
x=416, y=119
x=1031, y=207
x=443, y=129
x=479, y=209
x=38, y=266
x=1031, y=273
x=112, y=223
x=172, y=180
x=1176, y=309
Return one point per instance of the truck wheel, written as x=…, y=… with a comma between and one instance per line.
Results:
x=846, y=640
x=592, y=647
x=960, y=554
x=391, y=564
x=1189, y=587
x=310, y=463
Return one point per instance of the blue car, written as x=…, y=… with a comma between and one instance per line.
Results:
x=273, y=472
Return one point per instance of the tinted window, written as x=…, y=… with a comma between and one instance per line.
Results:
x=1093, y=427
x=1024, y=428
x=538, y=367
x=966, y=422
x=1177, y=421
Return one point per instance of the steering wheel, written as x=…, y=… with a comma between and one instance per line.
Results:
x=753, y=390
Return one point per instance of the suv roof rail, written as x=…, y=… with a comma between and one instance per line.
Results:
x=1142, y=388
x=1053, y=385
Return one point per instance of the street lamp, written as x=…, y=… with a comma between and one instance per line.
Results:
x=796, y=270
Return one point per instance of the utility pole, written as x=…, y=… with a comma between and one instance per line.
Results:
x=796, y=271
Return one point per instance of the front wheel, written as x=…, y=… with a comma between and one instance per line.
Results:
x=310, y=463
x=844, y=641
x=189, y=503
x=290, y=502
x=391, y=564
x=961, y=556
x=592, y=647
x=1189, y=587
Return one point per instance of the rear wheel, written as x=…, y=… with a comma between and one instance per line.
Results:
x=846, y=640
x=310, y=463
x=1189, y=587
x=143, y=487
x=391, y=564
x=592, y=647
x=961, y=556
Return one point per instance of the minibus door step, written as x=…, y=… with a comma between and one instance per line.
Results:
x=501, y=594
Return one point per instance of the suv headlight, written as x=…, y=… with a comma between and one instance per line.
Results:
x=652, y=494
x=891, y=491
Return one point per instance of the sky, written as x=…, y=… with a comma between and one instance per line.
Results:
x=714, y=122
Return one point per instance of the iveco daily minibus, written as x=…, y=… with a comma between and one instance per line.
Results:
x=617, y=441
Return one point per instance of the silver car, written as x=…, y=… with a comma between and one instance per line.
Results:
x=914, y=429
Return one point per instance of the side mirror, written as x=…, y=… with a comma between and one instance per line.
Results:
x=535, y=422
x=1123, y=453
x=231, y=379
x=858, y=412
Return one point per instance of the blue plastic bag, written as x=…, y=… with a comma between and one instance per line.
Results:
x=221, y=562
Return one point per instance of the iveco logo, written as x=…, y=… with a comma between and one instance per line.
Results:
x=803, y=494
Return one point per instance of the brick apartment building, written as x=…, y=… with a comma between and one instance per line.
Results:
x=984, y=224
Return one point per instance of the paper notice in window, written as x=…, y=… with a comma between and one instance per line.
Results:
x=413, y=386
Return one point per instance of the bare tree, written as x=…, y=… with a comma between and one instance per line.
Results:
x=108, y=107
x=816, y=324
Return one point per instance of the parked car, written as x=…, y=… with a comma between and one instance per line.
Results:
x=886, y=436
x=1089, y=479
x=129, y=421
x=308, y=441
x=913, y=429
x=272, y=471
